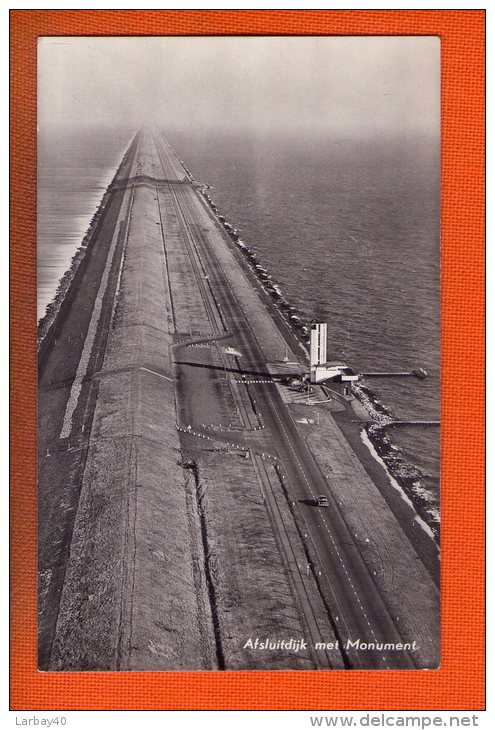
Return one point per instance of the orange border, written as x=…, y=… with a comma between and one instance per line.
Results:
x=459, y=684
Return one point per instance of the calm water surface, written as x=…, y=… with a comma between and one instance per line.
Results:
x=74, y=170
x=349, y=229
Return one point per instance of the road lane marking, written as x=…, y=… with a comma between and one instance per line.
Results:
x=91, y=334
x=232, y=317
x=165, y=377
x=337, y=552
x=119, y=279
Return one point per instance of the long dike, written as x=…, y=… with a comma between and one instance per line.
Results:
x=161, y=546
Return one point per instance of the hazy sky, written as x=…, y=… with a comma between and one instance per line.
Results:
x=344, y=85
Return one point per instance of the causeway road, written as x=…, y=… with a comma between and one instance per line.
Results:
x=226, y=304
x=358, y=609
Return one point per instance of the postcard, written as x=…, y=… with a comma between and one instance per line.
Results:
x=238, y=353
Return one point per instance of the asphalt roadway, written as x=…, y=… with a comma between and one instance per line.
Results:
x=75, y=352
x=358, y=609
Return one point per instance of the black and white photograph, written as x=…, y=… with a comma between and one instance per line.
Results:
x=238, y=353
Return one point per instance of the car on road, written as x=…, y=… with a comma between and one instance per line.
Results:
x=322, y=500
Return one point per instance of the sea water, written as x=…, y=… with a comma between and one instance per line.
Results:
x=348, y=228
x=74, y=169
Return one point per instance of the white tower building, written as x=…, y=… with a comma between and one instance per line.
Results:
x=320, y=369
x=318, y=345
